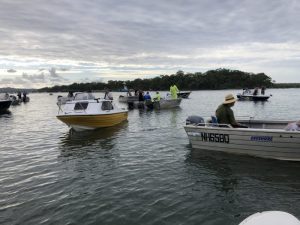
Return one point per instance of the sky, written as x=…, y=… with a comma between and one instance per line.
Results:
x=55, y=42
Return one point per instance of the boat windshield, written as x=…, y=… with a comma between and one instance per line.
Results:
x=81, y=105
x=106, y=105
x=84, y=96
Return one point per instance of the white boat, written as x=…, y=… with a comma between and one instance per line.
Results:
x=252, y=96
x=85, y=112
x=5, y=102
x=266, y=139
x=184, y=94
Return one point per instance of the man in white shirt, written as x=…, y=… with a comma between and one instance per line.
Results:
x=295, y=126
x=108, y=95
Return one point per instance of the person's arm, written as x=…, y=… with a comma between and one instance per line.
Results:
x=232, y=120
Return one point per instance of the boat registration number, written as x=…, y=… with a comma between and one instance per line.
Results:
x=215, y=137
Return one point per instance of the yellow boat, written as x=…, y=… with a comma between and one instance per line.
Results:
x=85, y=112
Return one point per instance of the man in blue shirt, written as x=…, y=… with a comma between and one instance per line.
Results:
x=147, y=96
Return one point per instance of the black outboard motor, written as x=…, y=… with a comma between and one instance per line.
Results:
x=194, y=120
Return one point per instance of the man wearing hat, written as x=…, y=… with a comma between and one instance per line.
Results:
x=225, y=114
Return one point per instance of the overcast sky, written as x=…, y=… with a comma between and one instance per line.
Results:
x=48, y=42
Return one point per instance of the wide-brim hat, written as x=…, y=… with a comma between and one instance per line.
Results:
x=229, y=99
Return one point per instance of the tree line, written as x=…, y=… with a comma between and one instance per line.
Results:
x=210, y=80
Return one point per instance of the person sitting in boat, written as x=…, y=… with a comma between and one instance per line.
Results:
x=295, y=126
x=157, y=97
x=225, y=114
x=108, y=95
x=147, y=96
x=141, y=95
x=246, y=91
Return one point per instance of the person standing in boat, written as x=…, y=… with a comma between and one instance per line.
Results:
x=108, y=95
x=174, y=90
x=225, y=114
x=19, y=95
x=24, y=96
x=255, y=92
x=263, y=88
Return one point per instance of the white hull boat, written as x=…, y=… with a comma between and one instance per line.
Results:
x=266, y=139
x=251, y=97
x=5, y=102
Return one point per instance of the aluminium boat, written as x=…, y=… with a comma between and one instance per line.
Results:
x=262, y=138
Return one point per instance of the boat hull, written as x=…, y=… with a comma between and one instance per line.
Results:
x=184, y=94
x=4, y=105
x=90, y=122
x=262, y=143
x=253, y=97
x=167, y=103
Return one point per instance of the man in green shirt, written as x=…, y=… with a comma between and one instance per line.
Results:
x=225, y=114
x=157, y=97
x=174, y=90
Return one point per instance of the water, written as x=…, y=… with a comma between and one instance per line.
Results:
x=141, y=172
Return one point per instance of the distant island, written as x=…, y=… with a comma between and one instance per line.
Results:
x=211, y=80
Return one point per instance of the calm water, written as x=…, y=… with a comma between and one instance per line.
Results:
x=141, y=172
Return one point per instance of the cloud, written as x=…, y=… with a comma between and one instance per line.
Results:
x=39, y=78
x=158, y=36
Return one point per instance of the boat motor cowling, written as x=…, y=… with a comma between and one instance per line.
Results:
x=194, y=120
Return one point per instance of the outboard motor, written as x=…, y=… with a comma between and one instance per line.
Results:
x=194, y=120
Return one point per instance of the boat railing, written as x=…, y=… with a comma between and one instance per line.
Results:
x=212, y=125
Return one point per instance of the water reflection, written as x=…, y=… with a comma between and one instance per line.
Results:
x=231, y=168
x=174, y=114
x=5, y=114
x=81, y=143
